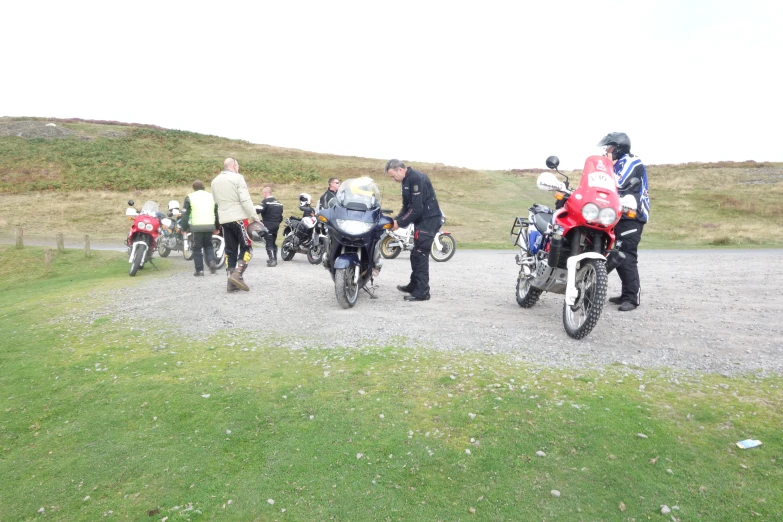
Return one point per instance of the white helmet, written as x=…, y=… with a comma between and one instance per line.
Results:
x=304, y=198
x=173, y=204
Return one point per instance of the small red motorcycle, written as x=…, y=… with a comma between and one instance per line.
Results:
x=565, y=251
x=143, y=236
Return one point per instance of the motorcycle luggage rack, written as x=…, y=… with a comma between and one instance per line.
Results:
x=516, y=228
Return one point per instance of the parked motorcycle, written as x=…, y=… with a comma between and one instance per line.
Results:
x=144, y=232
x=218, y=246
x=172, y=236
x=356, y=224
x=443, y=246
x=305, y=235
x=565, y=251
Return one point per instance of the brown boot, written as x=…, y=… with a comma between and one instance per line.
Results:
x=230, y=288
x=235, y=277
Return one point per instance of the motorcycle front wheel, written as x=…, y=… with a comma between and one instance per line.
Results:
x=387, y=251
x=137, y=259
x=591, y=281
x=187, y=248
x=315, y=254
x=287, y=249
x=217, y=248
x=448, y=247
x=345, y=289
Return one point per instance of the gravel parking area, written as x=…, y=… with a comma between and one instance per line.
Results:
x=715, y=311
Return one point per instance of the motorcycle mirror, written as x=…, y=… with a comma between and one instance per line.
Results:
x=130, y=202
x=552, y=162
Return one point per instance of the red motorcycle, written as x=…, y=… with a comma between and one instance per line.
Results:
x=565, y=251
x=143, y=236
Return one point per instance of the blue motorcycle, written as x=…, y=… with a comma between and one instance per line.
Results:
x=356, y=225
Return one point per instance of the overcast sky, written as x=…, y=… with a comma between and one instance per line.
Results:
x=474, y=84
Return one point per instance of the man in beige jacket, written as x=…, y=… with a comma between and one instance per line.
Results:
x=234, y=207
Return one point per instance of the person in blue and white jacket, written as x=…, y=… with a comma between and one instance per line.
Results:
x=631, y=176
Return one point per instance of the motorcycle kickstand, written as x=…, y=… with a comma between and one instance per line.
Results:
x=371, y=291
x=153, y=264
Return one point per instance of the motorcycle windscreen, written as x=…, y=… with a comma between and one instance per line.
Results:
x=598, y=173
x=150, y=208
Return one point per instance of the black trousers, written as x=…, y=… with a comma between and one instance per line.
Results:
x=628, y=234
x=202, y=249
x=237, y=243
x=271, y=236
x=424, y=235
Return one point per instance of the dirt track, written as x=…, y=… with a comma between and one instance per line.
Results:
x=701, y=310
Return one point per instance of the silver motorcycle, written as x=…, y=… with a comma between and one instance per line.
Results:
x=443, y=246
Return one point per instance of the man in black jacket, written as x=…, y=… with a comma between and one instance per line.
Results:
x=271, y=212
x=631, y=176
x=420, y=207
x=330, y=193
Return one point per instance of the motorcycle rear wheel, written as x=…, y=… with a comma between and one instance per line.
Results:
x=527, y=296
x=287, y=249
x=389, y=252
x=345, y=290
x=315, y=254
x=163, y=251
x=591, y=281
x=448, y=247
x=137, y=259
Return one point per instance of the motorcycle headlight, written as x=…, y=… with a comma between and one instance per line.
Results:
x=607, y=216
x=590, y=212
x=353, y=227
x=149, y=227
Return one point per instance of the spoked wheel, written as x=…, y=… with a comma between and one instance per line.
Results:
x=287, y=249
x=315, y=254
x=187, y=250
x=345, y=289
x=591, y=281
x=527, y=296
x=448, y=245
x=388, y=251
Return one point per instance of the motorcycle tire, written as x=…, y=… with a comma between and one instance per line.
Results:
x=188, y=252
x=315, y=254
x=527, y=296
x=448, y=247
x=221, y=259
x=346, y=292
x=287, y=251
x=163, y=251
x=591, y=281
x=389, y=252
x=136, y=263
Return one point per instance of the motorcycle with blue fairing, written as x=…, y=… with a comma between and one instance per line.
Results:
x=356, y=225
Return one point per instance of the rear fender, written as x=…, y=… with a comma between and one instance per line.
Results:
x=571, y=265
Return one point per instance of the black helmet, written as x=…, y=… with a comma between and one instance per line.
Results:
x=620, y=141
x=257, y=231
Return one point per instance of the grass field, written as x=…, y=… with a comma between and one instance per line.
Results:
x=107, y=418
x=80, y=184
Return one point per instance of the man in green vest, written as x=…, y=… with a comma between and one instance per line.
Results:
x=198, y=216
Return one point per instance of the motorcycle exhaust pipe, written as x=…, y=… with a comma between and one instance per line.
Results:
x=614, y=259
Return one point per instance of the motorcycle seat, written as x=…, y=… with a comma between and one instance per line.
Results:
x=543, y=219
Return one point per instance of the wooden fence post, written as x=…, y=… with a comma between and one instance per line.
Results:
x=48, y=260
x=19, y=235
x=86, y=245
x=60, y=242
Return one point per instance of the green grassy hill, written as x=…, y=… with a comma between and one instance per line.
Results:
x=76, y=178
